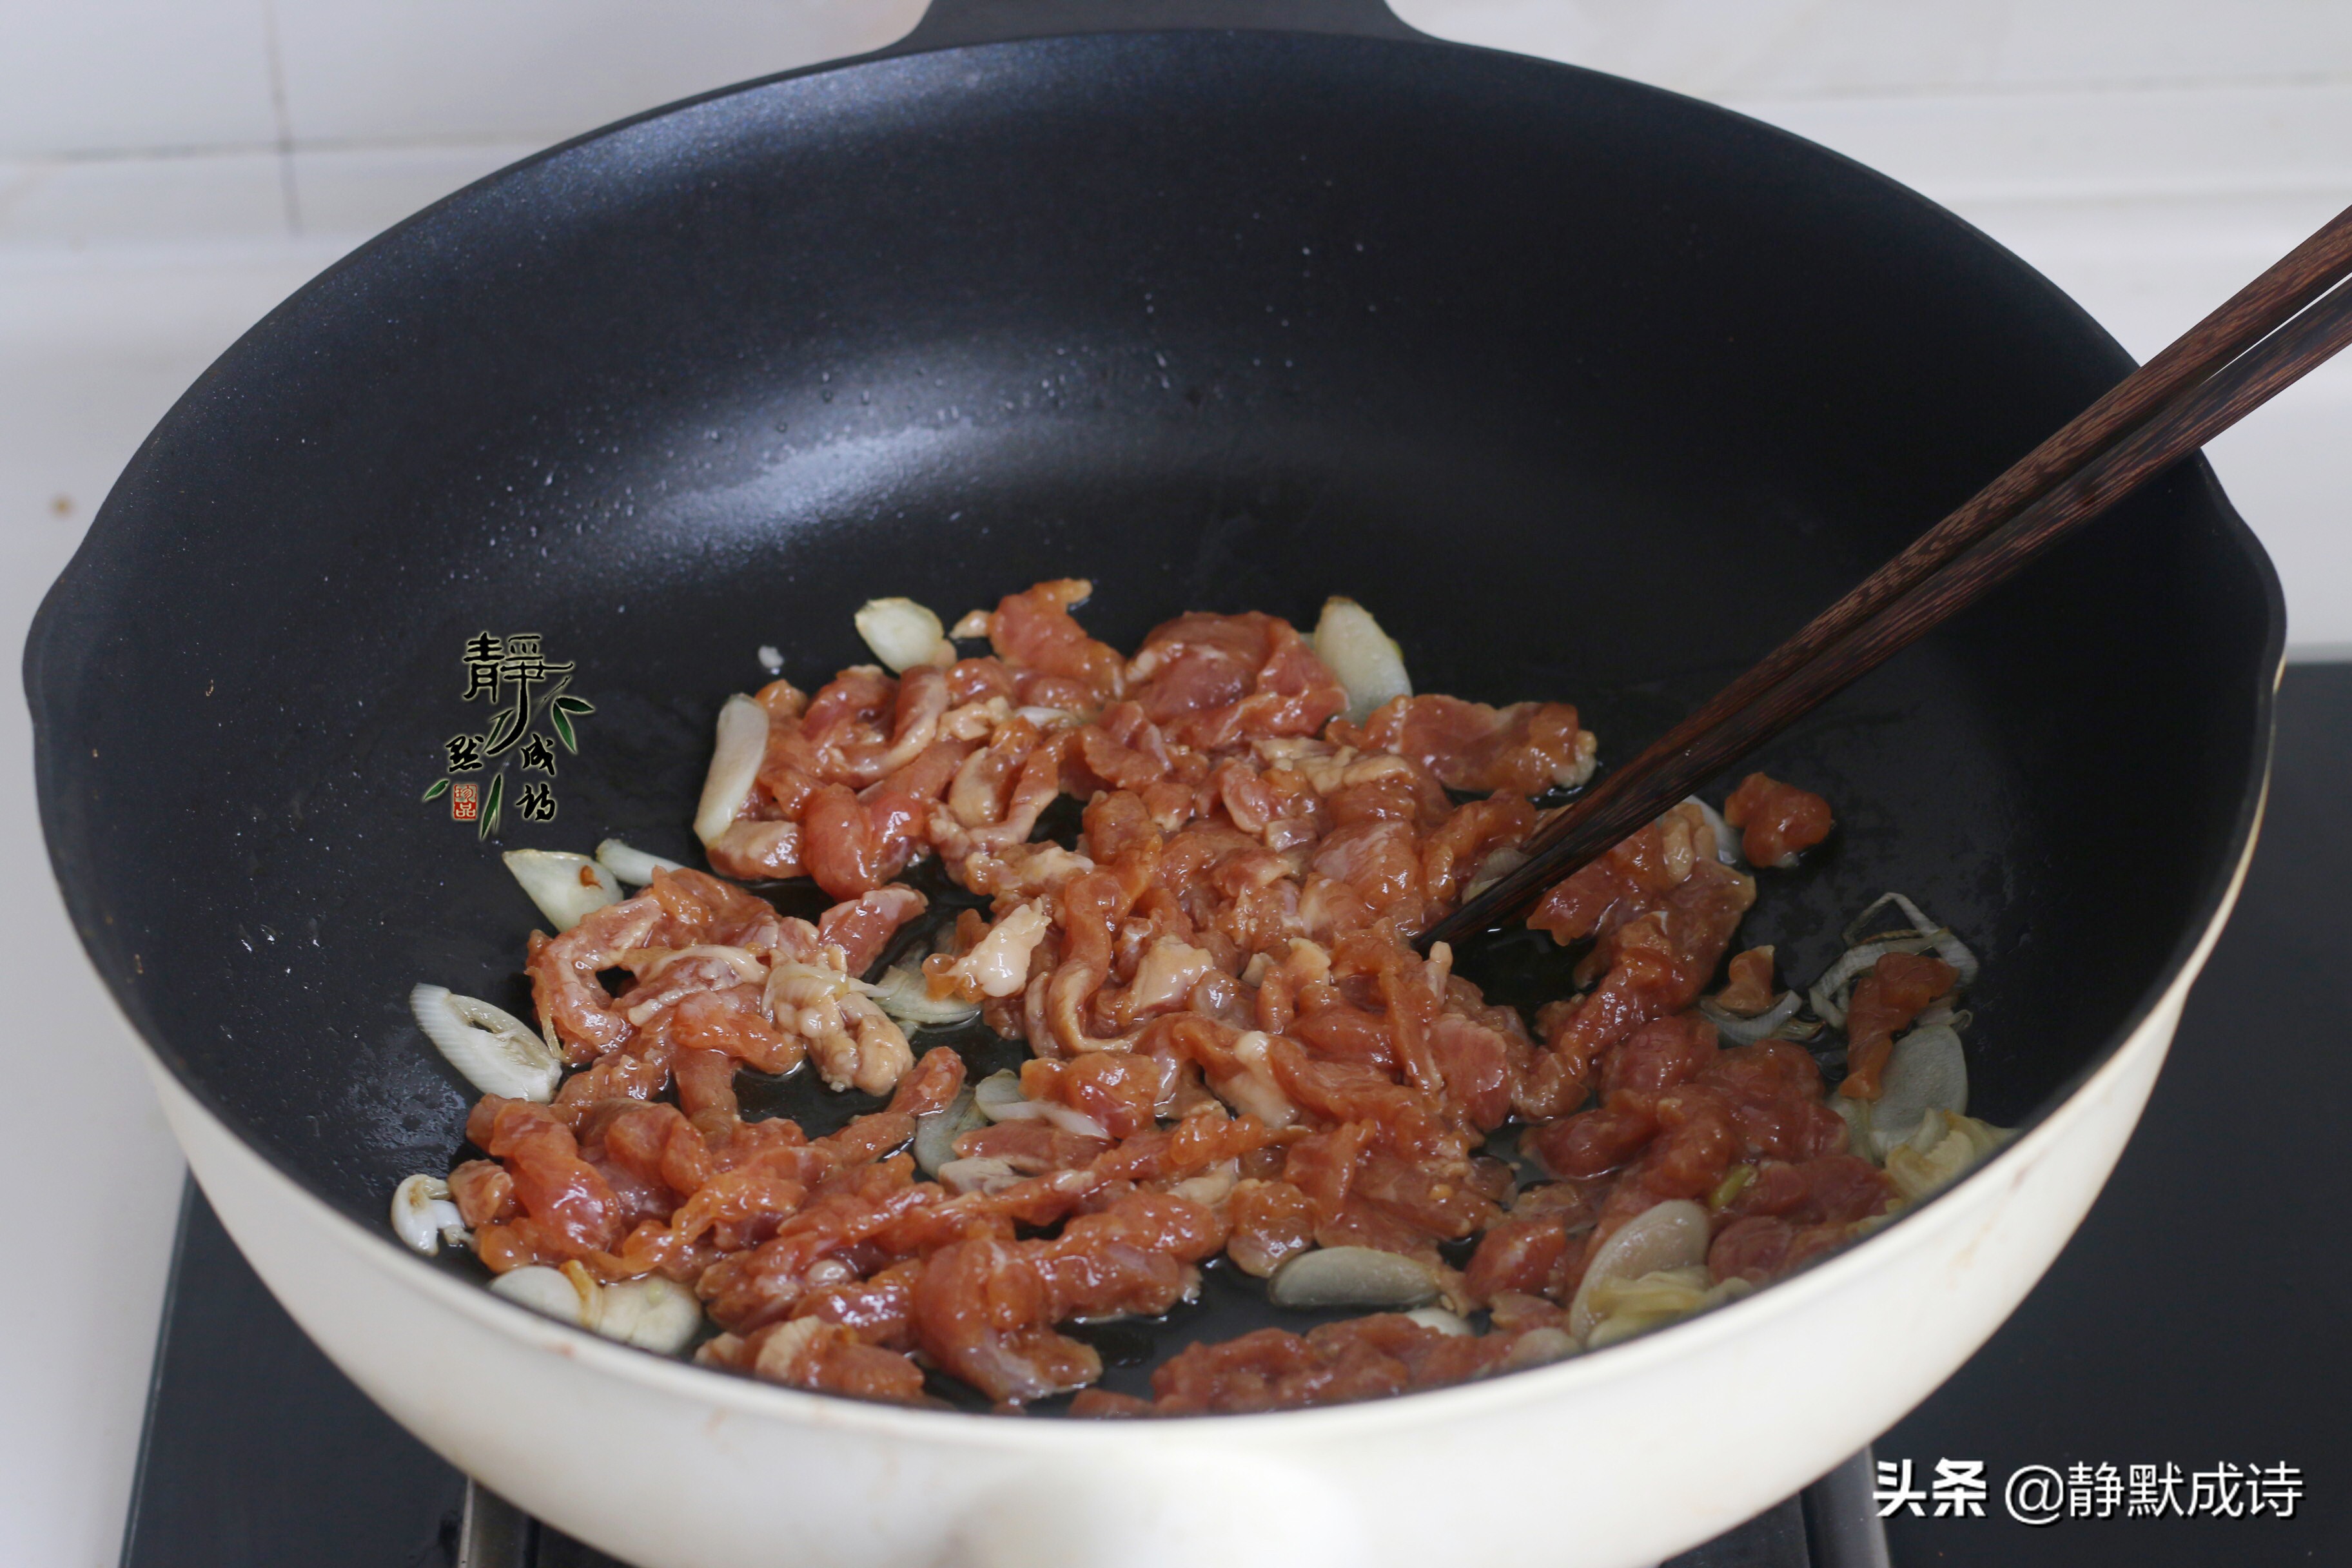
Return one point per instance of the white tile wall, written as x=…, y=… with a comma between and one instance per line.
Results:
x=496, y=70
x=345, y=194
x=135, y=203
x=121, y=76
x=1777, y=49
x=84, y=78
x=94, y=76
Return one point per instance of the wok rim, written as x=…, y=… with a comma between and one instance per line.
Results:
x=2210, y=907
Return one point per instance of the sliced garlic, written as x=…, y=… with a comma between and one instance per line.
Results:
x=424, y=1217
x=743, y=745
x=1671, y=1235
x=903, y=634
x=567, y=889
x=652, y=1313
x=1926, y=1072
x=1352, y=1277
x=1367, y=661
x=1443, y=1321
x=498, y=1052
x=550, y=1292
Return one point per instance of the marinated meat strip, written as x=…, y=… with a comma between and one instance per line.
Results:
x=1897, y=989
x=1778, y=821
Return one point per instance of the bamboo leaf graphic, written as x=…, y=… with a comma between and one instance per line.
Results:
x=571, y=704
x=438, y=788
x=562, y=721
x=489, y=822
x=503, y=735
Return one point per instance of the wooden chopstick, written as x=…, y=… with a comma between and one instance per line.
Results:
x=2221, y=369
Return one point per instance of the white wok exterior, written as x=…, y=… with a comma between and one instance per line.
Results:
x=1610, y=1460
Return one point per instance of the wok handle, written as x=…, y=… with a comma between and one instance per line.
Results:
x=948, y=22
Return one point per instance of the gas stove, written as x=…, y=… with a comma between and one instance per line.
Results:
x=2170, y=1396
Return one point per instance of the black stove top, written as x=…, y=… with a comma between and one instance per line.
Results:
x=2173, y=1393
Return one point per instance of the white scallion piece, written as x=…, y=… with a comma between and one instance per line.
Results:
x=1443, y=1321
x=1747, y=1031
x=1625, y=1308
x=1538, y=1347
x=1855, y=1113
x=567, y=887
x=1367, y=660
x=1928, y=1072
x=634, y=866
x=1000, y=1099
x=1671, y=1235
x=498, y=1052
x=903, y=634
x=734, y=765
x=1352, y=1277
x=983, y=1175
x=906, y=995
x=1946, y=946
x=1499, y=863
x=1941, y=1151
x=998, y=1094
x=1949, y=947
x=1829, y=992
x=424, y=1217
x=935, y=1135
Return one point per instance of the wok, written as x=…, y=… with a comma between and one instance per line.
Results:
x=1593, y=392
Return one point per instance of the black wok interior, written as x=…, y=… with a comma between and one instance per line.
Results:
x=1589, y=391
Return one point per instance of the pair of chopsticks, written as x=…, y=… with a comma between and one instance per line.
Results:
x=2270, y=333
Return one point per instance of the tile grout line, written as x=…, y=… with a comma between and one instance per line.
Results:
x=287, y=191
